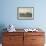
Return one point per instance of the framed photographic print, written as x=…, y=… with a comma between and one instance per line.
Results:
x=25, y=13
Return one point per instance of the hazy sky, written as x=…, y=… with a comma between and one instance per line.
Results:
x=24, y=10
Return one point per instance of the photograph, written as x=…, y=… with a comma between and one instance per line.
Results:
x=25, y=13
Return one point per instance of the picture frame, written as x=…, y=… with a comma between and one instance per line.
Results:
x=25, y=13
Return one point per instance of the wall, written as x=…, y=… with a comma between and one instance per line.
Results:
x=9, y=13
